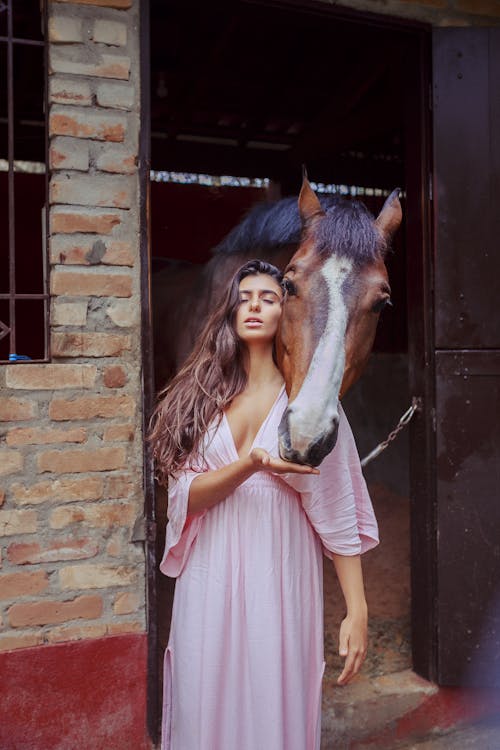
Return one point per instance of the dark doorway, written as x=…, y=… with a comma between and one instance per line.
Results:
x=254, y=90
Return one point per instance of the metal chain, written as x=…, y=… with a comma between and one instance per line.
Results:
x=416, y=405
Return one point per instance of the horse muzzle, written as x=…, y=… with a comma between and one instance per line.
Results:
x=304, y=450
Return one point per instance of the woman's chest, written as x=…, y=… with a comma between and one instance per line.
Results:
x=246, y=417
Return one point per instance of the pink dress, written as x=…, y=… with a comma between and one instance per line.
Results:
x=244, y=662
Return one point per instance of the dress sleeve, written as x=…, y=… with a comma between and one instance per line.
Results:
x=182, y=529
x=336, y=501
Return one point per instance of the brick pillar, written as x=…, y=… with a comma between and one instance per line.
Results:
x=70, y=431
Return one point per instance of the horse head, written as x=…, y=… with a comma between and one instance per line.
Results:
x=336, y=287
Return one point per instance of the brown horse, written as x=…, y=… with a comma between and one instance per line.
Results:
x=336, y=285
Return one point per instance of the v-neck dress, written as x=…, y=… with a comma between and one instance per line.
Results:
x=244, y=662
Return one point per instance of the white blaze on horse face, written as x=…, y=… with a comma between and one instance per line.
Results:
x=314, y=412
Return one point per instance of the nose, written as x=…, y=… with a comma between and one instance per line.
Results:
x=255, y=302
x=312, y=451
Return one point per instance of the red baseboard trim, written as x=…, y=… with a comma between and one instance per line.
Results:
x=89, y=695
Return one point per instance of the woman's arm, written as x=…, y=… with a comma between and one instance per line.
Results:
x=354, y=628
x=211, y=487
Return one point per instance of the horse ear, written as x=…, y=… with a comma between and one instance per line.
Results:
x=390, y=217
x=309, y=205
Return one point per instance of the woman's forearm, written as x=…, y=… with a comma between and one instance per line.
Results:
x=211, y=487
x=350, y=575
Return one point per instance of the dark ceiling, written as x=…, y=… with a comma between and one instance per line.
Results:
x=256, y=89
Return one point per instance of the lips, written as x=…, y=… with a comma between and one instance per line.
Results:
x=253, y=320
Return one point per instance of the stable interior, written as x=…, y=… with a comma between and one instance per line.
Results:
x=255, y=90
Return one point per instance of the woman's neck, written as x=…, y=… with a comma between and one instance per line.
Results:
x=260, y=366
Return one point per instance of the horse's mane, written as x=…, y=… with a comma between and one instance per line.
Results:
x=348, y=228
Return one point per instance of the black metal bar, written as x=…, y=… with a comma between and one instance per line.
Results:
x=12, y=296
x=148, y=390
x=11, y=197
x=46, y=227
x=16, y=40
x=25, y=296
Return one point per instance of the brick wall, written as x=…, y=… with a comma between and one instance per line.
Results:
x=70, y=431
x=435, y=12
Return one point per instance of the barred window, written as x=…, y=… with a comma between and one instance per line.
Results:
x=24, y=299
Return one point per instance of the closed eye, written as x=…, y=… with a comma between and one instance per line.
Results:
x=380, y=304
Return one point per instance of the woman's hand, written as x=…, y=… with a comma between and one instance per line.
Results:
x=263, y=461
x=353, y=640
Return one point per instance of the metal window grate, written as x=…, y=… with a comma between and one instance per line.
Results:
x=22, y=30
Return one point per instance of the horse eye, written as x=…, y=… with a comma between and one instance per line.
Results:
x=380, y=304
x=290, y=287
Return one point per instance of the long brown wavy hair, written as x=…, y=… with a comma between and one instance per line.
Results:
x=213, y=374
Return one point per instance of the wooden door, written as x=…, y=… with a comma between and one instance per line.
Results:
x=466, y=141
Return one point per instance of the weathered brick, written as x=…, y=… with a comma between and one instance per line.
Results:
x=122, y=432
x=69, y=313
x=75, y=632
x=17, y=522
x=115, y=95
x=117, y=160
x=68, y=220
x=126, y=603
x=95, y=576
x=92, y=190
x=69, y=153
x=54, y=490
x=84, y=249
x=124, y=314
x=50, y=377
x=11, y=461
x=131, y=626
x=119, y=253
x=119, y=486
x=12, y=641
x=110, y=32
x=14, y=585
x=54, y=551
x=94, y=515
x=82, y=60
x=78, y=461
x=29, y=614
x=114, y=376
x=87, y=123
x=89, y=407
x=120, y=4
x=44, y=435
x=69, y=91
x=90, y=283
x=16, y=409
x=89, y=344
x=65, y=29
x=114, y=547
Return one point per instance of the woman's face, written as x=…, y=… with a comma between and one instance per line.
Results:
x=259, y=310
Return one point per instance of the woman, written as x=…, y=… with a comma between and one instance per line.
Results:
x=244, y=663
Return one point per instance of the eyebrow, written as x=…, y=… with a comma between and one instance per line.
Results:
x=261, y=291
x=386, y=288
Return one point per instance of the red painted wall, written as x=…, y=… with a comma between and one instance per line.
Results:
x=85, y=695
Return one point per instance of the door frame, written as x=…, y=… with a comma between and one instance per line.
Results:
x=419, y=244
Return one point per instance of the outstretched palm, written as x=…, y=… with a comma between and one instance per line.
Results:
x=263, y=460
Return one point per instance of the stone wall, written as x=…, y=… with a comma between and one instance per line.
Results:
x=70, y=430
x=435, y=12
